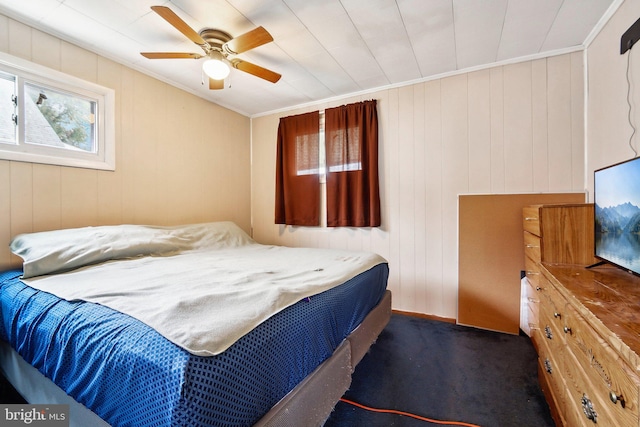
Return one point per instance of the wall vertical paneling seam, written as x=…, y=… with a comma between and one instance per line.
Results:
x=540, y=120
x=5, y=211
x=578, y=119
x=406, y=199
x=518, y=128
x=20, y=199
x=110, y=184
x=479, y=131
x=498, y=173
x=47, y=197
x=560, y=142
x=455, y=181
x=47, y=49
x=4, y=33
x=420, y=198
x=20, y=43
x=433, y=164
x=393, y=218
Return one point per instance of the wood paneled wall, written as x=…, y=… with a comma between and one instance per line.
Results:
x=515, y=128
x=179, y=158
x=610, y=120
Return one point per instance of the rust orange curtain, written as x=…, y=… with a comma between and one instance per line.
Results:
x=351, y=139
x=298, y=170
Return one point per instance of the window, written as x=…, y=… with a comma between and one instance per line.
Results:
x=339, y=149
x=53, y=118
x=344, y=146
x=353, y=198
x=308, y=156
x=8, y=109
x=298, y=178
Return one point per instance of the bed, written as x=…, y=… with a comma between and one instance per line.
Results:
x=186, y=326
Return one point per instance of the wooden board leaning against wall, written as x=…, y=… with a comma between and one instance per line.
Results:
x=490, y=256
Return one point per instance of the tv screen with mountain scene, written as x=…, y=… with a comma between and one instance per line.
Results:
x=617, y=214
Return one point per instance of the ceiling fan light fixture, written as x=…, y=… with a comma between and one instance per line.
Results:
x=219, y=49
x=215, y=67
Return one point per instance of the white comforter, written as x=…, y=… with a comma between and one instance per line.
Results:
x=205, y=298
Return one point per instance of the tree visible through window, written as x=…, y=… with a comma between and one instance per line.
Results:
x=59, y=119
x=54, y=118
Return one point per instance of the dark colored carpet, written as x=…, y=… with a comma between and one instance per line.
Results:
x=8, y=394
x=437, y=370
x=446, y=372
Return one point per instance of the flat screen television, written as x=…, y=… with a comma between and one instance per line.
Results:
x=617, y=214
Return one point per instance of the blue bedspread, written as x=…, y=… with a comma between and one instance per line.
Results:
x=130, y=375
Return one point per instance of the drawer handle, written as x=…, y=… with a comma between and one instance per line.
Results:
x=615, y=398
x=532, y=273
x=557, y=315
x=533, y=300
x=567, y=330
x=547, y=332
x=532, y=246
x=530, y=218
x=547, y=366
x=587, y=408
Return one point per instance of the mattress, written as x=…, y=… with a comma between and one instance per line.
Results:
x=130, y=375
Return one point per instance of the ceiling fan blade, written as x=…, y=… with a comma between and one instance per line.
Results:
x=171, y=55
x=256, y=70
x=252, y=39
x=173, y=19
x=216, y=84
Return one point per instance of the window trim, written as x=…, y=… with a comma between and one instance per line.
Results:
x=29, y=72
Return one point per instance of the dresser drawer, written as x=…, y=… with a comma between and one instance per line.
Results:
x=531, y=219
x=575, y=417
x=551, y=374
x=533, y=290
x=532, y=271
x=532, y=246
x=554, y=303
x=613, y=382
x=556, y=406
x=551, y=331
x=533, y=307
x=592, y=408
x=534, y=328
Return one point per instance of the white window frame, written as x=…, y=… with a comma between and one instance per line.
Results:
x=28, y=72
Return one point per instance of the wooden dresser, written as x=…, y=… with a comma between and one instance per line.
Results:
x=588, y=325
x=554, y=233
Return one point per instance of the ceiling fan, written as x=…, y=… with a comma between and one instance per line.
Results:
x=219, y=47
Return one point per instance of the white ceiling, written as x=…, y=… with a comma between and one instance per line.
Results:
x=323, y=48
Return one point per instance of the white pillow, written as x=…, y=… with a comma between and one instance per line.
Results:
x=212, y=235
x=57, y=251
